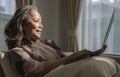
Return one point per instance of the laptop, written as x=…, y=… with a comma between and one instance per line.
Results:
x=109, y=28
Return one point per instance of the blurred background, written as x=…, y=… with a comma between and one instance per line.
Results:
x=72, y=28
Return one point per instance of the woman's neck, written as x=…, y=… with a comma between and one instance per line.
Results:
x=29, y=41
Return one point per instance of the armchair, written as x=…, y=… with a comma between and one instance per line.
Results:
x=9, y=72
x=5, y=64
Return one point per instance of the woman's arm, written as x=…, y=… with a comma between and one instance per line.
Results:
x=49, y=65
x=31, y=66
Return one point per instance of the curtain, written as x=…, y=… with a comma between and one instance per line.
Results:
x=21, y=3
x=94, y=20
x=89, y=29
x=73, y=8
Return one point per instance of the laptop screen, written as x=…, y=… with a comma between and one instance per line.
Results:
x=109, y=28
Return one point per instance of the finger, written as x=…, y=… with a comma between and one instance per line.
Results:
x=104, y=47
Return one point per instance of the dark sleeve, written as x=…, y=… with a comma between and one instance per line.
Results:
x=55, y=46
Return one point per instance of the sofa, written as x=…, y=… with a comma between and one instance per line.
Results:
x=7, y=71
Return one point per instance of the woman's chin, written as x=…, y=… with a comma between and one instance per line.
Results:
x=38, y=37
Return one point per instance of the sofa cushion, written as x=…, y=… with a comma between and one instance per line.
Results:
x=6, y=66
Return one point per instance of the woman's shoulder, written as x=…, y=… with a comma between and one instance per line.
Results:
x=46, y=41
x=49, y=43
x=54, y=45
x=16, y=49
x=19, y=51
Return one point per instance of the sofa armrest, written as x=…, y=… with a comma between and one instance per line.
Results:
x=113, y=56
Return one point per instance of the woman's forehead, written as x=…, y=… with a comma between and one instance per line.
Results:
x=35, y=14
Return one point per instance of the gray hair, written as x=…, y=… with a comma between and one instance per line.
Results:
x=13, y=30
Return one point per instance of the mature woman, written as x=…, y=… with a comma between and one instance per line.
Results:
x=30, y=56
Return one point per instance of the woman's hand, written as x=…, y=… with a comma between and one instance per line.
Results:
x=84, y=54
x=78, y=56
x=100, y=51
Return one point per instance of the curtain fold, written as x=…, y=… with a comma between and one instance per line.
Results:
x=73, y=9
x=21, y=3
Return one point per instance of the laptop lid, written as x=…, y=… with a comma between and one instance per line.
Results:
x=109, y=28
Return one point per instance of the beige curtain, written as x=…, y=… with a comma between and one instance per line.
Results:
x=21, y=3
x=73, y=9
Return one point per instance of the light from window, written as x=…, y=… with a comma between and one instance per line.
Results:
x=95, y=0
x=94, y=23
x=2, y=5
x=7, y=7
x=112, y=1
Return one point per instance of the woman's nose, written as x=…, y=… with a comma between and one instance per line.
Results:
x=40, y=26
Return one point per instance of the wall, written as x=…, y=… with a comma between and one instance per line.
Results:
x=62, y=24
x=52, y=12
x=49, y=12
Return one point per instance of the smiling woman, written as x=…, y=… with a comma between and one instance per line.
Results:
x=29, y=55
x=34, y=29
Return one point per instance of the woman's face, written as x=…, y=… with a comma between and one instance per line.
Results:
x=34, y=26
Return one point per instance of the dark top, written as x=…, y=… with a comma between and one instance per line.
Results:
x=31, y=57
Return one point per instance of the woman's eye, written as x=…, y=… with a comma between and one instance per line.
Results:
x=36, y=20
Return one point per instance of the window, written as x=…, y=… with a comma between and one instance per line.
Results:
x=94, y=22
x=7, y=8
